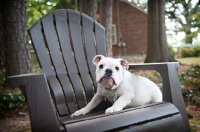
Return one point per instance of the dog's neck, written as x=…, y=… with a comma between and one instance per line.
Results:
x=115, y=96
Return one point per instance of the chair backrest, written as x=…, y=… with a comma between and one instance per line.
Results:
x=65, y=43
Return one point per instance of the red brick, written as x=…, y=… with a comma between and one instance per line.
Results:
x=133, y=27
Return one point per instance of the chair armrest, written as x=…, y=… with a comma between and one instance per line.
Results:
x=152, y=66
x=40, y=105
x=166, y=70
x=169, y=74
x=171, y=86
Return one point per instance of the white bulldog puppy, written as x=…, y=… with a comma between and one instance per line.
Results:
x=119, y=86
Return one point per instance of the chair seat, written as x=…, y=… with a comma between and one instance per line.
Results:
x=131, y=118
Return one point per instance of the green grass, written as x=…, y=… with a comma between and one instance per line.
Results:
x=189, y=60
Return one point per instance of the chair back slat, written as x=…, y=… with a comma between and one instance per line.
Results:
x=45, y=62
x=65, y=43
x=67, y=52
x=89, y=41
x=40, y=48
x=100, y=39
x=54, y=45
x=78, y=46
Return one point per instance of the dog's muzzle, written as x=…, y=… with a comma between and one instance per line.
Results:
x=107, y=80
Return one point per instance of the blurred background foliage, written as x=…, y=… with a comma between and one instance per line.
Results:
x=35, y=9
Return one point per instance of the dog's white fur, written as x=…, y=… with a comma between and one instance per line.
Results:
x=132, y=90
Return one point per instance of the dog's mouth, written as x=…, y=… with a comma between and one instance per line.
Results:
x=107, y=80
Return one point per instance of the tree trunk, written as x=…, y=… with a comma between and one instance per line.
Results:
x=15, y=39
x=89, y=7
x=106, y=21
x=157, y=49
x=2, y=55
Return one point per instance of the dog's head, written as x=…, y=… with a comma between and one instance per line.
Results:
x=109, y=71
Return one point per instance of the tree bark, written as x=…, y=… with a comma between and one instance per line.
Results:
x=106, y=21
x=89, y=7
x=14, y=37
x=2, y=54
x=157, y=49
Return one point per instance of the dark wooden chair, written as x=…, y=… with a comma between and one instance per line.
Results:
x=65, y=42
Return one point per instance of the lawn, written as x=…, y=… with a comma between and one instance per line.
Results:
x=189, y=60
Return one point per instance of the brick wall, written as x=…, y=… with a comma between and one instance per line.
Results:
x=133, y=29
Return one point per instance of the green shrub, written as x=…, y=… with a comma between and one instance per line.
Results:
x=185, y=52
x=192, y=52
x=171, y=50
x=193, y=94
x=36, y=68
x=9, y=99
x=196, y=51
x=191, y=82
x=2, y=79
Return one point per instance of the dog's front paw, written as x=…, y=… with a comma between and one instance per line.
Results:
x=112, y=109
x=78, y=113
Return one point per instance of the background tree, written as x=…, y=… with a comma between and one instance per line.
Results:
x=14, y=37
x=106, y=21
x=157, y=50
x=88, y=7
x=2, y=54
x=183, y=13
x=140, y=3
x=35, y=9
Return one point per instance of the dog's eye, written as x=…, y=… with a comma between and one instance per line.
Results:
x=100, y=66
x=117, y=68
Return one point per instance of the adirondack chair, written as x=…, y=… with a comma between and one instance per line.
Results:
x=65, y=42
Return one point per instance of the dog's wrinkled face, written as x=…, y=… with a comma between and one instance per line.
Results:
x=109, y=71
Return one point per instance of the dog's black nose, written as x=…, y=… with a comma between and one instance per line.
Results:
x=109, y=72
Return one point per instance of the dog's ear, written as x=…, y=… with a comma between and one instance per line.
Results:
x=124, y=64
x=97, y=58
